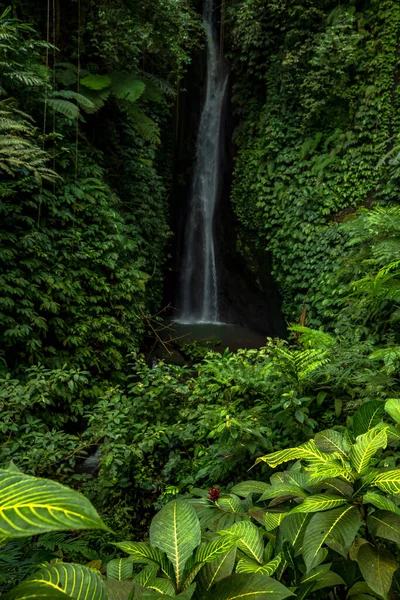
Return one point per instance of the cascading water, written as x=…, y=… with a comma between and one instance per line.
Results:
x=199, y=274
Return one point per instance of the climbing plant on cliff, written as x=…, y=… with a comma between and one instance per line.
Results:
x=316, y=95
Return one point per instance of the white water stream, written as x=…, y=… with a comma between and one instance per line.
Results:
x=199, y=275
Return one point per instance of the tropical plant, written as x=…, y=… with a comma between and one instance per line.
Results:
x=179, y=563
x=333, y=517
x=32, y=506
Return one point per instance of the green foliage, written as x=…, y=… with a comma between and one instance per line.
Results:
x=316, y=94
x=30, y=506
x=328, y=522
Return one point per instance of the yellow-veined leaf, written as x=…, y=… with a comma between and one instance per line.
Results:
x=30, y=506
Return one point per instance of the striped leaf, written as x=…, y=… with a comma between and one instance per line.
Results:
x=254, y=586
x=119, y=569
x=76, y=581
x=272, y=520
x=366, y=447
x=339, y=525
x=212, y=572
x=212, y=550
x=392, y=407
x=30, y=506
x=332, y=441
x=380, y=502
x=141, y=552
x=384, y=524
x=248, y=538
x=175, y=530
x=230, y=503
x=35, y=591
x=250, y=487
x=389, y=481
x=367, y=417
x=246, y=565
x=146, y=575
x=292, y=530
x=308, y=451
x=161, y=585
x=284, y=489
x=319, y=503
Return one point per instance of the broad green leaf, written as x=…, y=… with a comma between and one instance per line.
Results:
x=146, y=575
x=330, y=470
x=389, y=481
x=308, y=451
x=30, y=506
x=384, y=524
x=212, y=572
x=175, y=530
x=332, y=441
x=377, y=566
x=366, y=447
x=343, y=488
x=272, y=520
x=322, y=577
x=119, y=590
x=96, y=82
x=230, y=503
x=161, y=585
x=358, y=542
x=339, y=525
x=254, y=586
x=367, y=417
x=248, y=538
x=381, y=502
x=292, y=530
x=392, y=407
x=319, y=503
x=284, y=489
x=77, y=581
x=141, y=552
x=212, y=550
x=119, y=569
x=35, y=591
x=246, y=565
x=359, y=588
x=250, y=487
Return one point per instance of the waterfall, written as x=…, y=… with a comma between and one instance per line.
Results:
x=199, y=272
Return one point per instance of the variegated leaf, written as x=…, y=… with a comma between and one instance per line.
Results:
x=77, y=581
x=380, y=502
x=319, y=503
x=272, y=520
x=29, y=506
x=175, y=530
x=366, y=446
x=389, y=481
x=248, y=538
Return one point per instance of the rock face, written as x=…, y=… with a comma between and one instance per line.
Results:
x=244, y=299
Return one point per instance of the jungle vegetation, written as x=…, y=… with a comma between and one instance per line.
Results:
x=271, y=472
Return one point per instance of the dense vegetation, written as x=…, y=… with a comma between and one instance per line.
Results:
x=89, y=109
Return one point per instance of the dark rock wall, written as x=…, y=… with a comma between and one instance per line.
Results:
x=244, y=299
